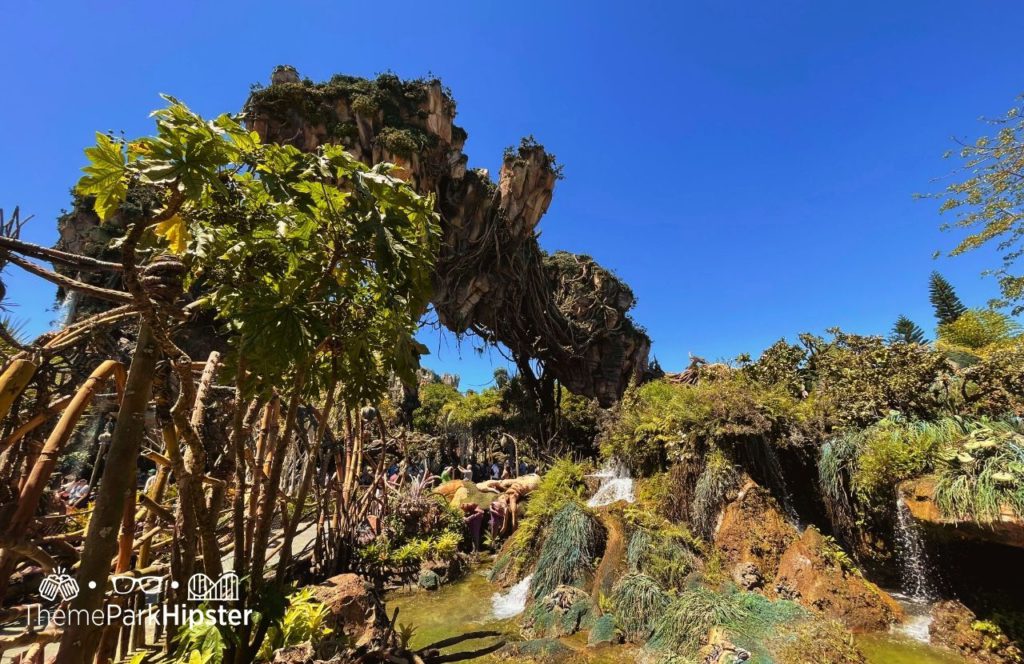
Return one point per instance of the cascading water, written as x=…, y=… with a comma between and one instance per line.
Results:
x=616, y=484
x=512, y=602
x=915, y=579
x=914, y=568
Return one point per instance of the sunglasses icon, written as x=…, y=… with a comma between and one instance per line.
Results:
x=149, y=585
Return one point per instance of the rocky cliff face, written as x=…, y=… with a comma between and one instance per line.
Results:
x=492, y=277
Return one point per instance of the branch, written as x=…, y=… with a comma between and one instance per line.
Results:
x=56, y=256
x=67, y=282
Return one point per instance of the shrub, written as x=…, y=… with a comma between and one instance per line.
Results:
x=661, y=556
x=561, y=485
x=305, y=619
x=978, y=330
x=638, y=601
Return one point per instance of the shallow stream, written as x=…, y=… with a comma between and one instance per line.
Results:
x=471, y=604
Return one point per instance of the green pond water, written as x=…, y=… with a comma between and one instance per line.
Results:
x=466, y=606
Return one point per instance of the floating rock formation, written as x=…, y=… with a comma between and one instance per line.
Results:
x=492, y=278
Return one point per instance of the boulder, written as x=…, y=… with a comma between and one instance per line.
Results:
x=355, y=610
x=429, y=580
x=603, y=632
x=956, y=627
x=816, y=573
x=719, y=650
x=565, y=611
x=753, y=533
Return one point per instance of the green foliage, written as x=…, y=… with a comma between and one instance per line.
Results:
x=907, y=331
x=978, y=331
x=662, y=556
x=686, y=622
x=982, y=472
x=994, y=386
x=857, y=380
x=713, y=485
x=662, y=421
x=305, y=619
x=266, y=227
x=571, y=545
x=560, y=486
x=874, y=460
x=437, y=400
x=638, y=602
x=199, y=642
x=989, y=201
x=945, y=302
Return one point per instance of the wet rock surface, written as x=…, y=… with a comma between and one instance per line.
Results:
x=954, y=626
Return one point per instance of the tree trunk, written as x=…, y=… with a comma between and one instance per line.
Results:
x=79, y=642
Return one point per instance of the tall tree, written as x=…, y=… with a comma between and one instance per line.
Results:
x=947, y=305
x=907, y=331
x=989, y=201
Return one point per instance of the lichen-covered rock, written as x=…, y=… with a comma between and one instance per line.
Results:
x=603, y=632
x=719, y=650
x=815, y=573
x=956, y=627
x=563, y=612
x=429, y=580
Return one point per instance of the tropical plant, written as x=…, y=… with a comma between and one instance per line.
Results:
x=978, y=331
x=304, y=620
x=982, y=473
x=686, y=622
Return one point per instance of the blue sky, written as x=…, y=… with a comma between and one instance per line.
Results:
x=747, y=167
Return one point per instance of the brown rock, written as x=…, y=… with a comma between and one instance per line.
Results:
x=919, y=497
x=753, y=533
x=355, y=610
x=812, y=572
x=956, y=627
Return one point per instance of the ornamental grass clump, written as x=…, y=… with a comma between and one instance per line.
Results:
x=573, y=541
x=638, y=602
x=661, y=557
x=685, y=624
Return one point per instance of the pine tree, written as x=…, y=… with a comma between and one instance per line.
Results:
x=948, y=306
x=907, y=331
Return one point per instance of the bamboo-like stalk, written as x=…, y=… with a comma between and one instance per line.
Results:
x=35, y=483
x=79, y=641
x=13, y=382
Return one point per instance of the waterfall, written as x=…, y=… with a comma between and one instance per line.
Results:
x=914, y=568
x=915, y=581
x=511, y=602
x=616, y=485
